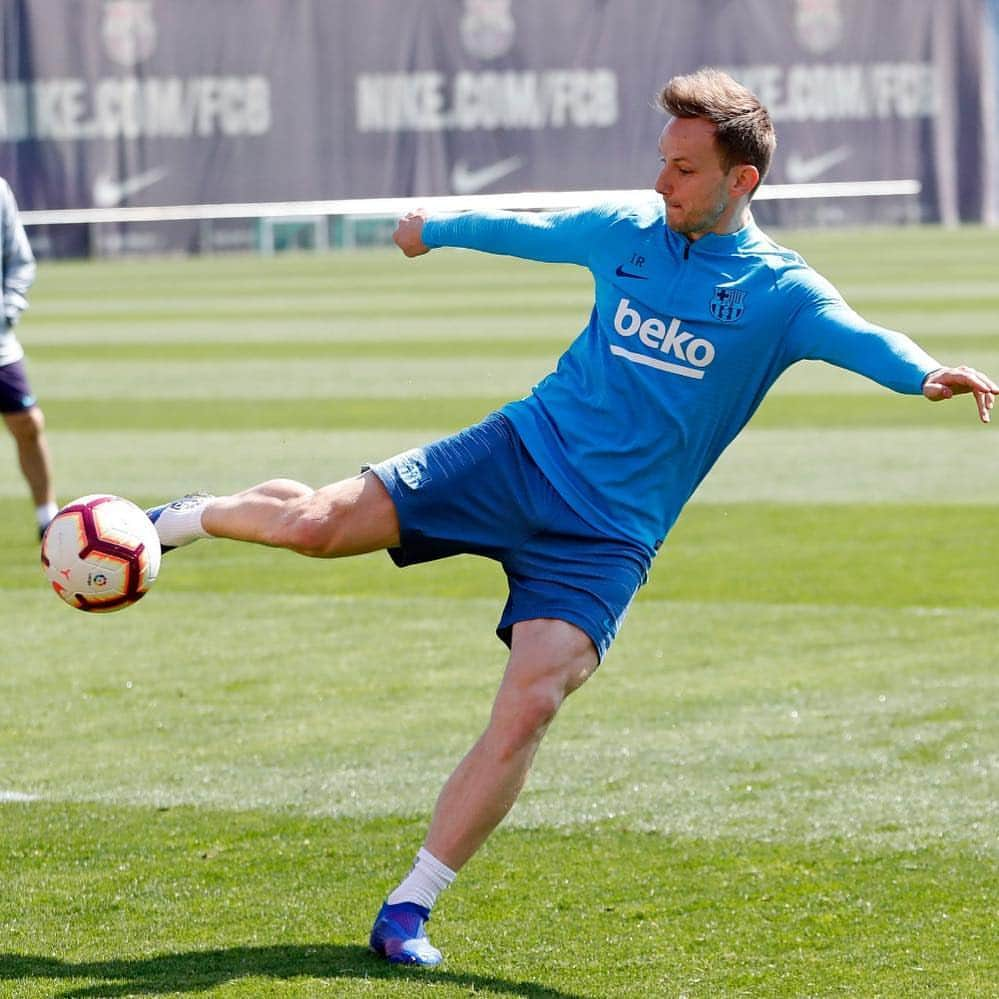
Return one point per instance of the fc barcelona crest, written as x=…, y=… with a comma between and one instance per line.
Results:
x=128, y=30
x=728, y=304
x=819, y=24
x=487, y=28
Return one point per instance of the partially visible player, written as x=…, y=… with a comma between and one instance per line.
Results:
x=21, y=413
x=574, y=488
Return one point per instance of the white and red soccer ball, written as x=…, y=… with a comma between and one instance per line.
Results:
x=101, y=553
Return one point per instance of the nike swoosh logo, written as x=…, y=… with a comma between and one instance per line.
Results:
x=621, y=272
x=801, y=169
x=109, y=192
x=468, y=180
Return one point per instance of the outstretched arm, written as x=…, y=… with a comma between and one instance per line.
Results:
x=563, y=237
x=947, y=382
x=825, y=328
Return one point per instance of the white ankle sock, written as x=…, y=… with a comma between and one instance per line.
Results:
x=45, y=512
x=427, y=879
x=178, y=527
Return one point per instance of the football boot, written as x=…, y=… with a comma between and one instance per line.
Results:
x=399, y=935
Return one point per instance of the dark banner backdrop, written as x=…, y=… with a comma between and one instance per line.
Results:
x=161, y=102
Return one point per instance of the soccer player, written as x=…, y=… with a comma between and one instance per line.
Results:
x=24, y=419
x=574, y=488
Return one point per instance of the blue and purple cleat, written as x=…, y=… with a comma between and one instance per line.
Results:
x=399, y=935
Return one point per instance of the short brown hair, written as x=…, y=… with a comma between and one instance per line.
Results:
x=744, y=132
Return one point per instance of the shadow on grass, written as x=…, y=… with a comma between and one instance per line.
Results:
x=198, y=971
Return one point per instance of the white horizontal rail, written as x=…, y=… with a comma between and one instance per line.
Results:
x=448, y=203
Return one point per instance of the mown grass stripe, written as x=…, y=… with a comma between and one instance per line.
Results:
x=283, y=311
x=435, y=412
x=514, y=343
x=329, y=328
x=327, y=378
x=862, y=411
x=398, y=349
x=186, y=414
x=773, y=466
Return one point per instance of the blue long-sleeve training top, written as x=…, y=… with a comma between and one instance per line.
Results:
x=684, y=340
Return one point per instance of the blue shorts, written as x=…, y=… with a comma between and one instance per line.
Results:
x=15, y=393
x=479, y=492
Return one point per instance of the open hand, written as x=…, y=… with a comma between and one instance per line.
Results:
x=947, y=382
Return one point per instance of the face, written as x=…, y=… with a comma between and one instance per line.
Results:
x=700, y=195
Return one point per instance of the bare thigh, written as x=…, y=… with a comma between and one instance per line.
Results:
x=26, y=425
x=350, y=517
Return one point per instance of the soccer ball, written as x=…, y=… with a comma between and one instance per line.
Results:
x=100, y=553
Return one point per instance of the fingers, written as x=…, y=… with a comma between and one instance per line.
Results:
x=948, y=382
x=417, y=214
x=981, y=386
x=976, y=380
x=985, y=401
x=984, y=390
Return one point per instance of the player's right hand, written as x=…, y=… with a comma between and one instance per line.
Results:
x=408, y=235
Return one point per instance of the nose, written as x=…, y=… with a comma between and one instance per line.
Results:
x=662, y=183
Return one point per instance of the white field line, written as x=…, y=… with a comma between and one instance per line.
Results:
x=6, y=796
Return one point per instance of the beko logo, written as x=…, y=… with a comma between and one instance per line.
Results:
x=696, y=353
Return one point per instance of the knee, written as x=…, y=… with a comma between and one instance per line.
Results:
x=27, y=426
x=550, y=660
x=524, y=715
x=539, y=705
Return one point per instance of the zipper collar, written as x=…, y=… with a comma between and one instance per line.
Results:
x=713, y=242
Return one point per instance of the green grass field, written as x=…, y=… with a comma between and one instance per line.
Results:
x=781, y=783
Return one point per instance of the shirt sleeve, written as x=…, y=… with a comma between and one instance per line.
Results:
x=553, y=237
x=824, y=328
x=18, y=260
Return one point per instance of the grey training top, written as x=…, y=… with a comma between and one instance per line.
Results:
x=18, y=273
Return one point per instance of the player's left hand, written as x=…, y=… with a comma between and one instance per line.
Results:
x=947, y=382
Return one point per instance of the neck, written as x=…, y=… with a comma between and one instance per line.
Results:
x=731, y=221
x=739, y=220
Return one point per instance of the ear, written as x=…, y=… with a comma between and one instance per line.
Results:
x=742, y=179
